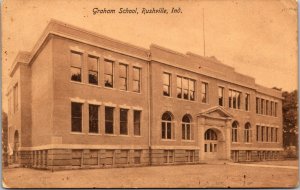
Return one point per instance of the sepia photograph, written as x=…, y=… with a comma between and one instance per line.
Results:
x=150, y=94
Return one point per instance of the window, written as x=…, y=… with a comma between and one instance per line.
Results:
x=16, y=98
x=123, y=157
x=276, y=135
x=167, y=84
x=93, y=70
x=235, y=155
x=238, y=98
x=168, y=156
x=185, y=88
x=189, y=155
x=123, y=72
x=247, y=133
x=272, y=108
x=93, y=118
x=210, y=135
x=179, y=87
x=137, y=122
x=262, y=133
x=234, y=131
x=272, y=134
x=221, y=96
x=257, y=133
x=109, y=120
x=247, y=102
x=76, y=60
x=267, y=134
x=136, y=79
x=108, y=73
x=192, y=89
x=230, y=98
x=76, y=113
x=186, y=127
x=204, y=92
x=257, y=105
x=275, y=114
x=248, y=155
x=166, y=126
x=267, y=107
x=234, y=99
x=137, y=156
x=123, y=121
x=262, y=106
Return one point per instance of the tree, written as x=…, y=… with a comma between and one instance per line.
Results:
x=4, y=139
x=290, y=118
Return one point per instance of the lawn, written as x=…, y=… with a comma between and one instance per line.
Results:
x=202, y=175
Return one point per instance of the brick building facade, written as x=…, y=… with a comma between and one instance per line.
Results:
x=83, y=100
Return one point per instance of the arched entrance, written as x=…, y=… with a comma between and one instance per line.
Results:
x=213, y=144
x=16, y=147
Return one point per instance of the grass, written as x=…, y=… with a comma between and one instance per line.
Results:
x=190, y=176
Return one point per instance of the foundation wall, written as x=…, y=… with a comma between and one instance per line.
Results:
x=56, y=159
x=255, y=155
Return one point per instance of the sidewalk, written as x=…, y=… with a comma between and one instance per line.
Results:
x=266, y=166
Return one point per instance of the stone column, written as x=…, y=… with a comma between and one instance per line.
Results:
x=228, y=139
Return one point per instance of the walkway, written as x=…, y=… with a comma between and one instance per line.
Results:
x=266, y=166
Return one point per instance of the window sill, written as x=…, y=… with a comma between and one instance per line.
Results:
x=124, y=135
x=124, y=90
x=182, y=99
x=112, y=135
x=135, y=92
x=138, y=136
x=235, y=143
x=172, y=140
x=130, y=91
x=259, y=114
x=76, y=82
x=183, y=140
x=109, y=88
x=77, y=133
x=94, y=134
x=167, y=96
x=93, y=85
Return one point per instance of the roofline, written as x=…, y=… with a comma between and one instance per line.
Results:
x=27, y=57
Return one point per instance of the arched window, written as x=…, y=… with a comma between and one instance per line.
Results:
x=167, y=131
x=210, y=135
x=234, y=131
x=247, y=133
x=186, y=127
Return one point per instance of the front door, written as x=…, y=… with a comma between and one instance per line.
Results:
x=210, y=145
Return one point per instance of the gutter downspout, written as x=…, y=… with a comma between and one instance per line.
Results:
x=149, y=107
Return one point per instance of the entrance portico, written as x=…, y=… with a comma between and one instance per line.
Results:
x=214, y=126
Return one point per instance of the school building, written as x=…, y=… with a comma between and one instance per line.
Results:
x=83, y=100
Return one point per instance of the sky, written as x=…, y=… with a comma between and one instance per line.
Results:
x=256, y=37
